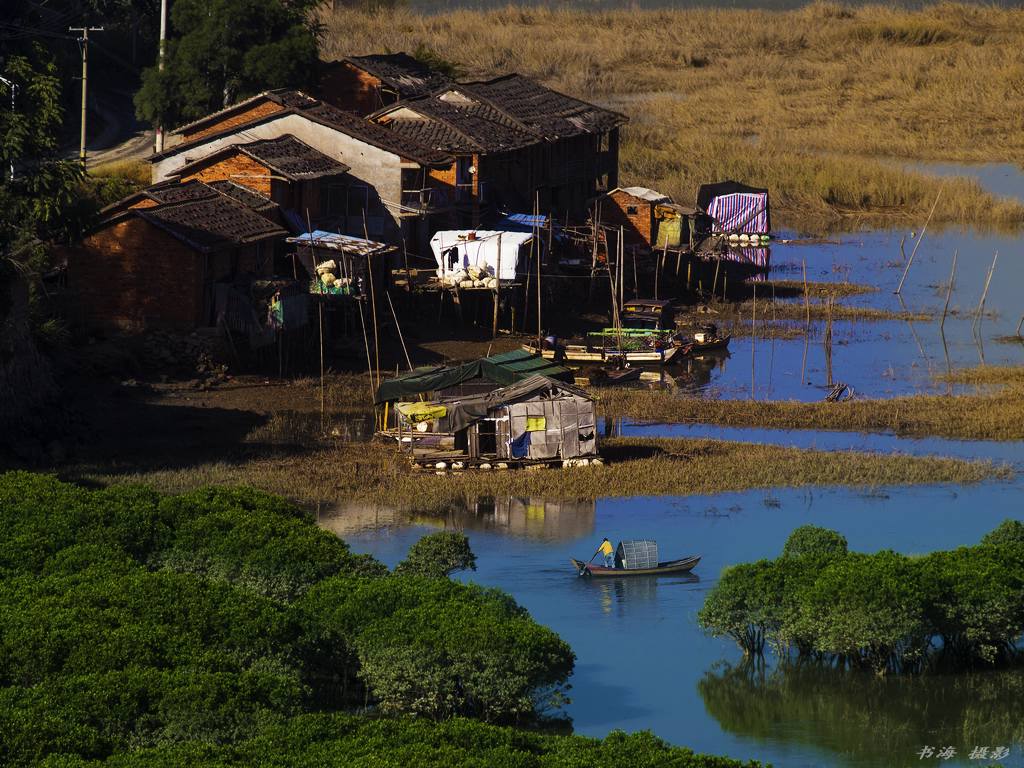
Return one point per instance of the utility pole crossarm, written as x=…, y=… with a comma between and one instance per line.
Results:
x=83, y=41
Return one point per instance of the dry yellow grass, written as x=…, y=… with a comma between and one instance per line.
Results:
x=997, y=414
x=637, y=467
x=813, y=103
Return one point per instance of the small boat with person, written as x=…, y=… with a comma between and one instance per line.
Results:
x=635, y=558
x=706, y=340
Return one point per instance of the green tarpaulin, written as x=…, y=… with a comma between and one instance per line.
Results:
x=503, y=370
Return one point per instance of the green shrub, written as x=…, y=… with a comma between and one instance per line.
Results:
x=438, y=554
x=816, y=542
x=884, y=612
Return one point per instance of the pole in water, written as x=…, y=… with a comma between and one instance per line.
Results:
x=920, y=237
x=753, y=341
x=807, y=298
x=949, y=289
x=984, y=293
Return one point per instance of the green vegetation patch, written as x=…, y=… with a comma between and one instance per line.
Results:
x=222, y=627
x=885, y=612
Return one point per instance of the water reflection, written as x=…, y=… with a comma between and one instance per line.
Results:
x=621, y=596
x=526, y=516
x=866, y=720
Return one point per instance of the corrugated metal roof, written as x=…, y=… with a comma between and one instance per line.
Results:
x=338, y=242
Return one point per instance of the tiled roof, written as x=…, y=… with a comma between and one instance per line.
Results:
x=293, y=158
x=496, y=116
x=210, y=223
x=297, y=103
x=375, y=135
x=244, y=195
x=407, y=75
x=282, y=96
x=461, y=126
x=285, y=156
x=549, y=113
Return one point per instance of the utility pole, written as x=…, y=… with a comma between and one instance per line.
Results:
x=83, y=43
x=163, y=47
x=13, y=88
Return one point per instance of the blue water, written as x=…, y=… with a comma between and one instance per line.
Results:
x=642, y=661
x=887, y=358
x=640, y=652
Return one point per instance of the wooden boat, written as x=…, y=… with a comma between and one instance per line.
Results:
x=578, y=353
x=612, y=375
x=683, y=565
x=712, y=344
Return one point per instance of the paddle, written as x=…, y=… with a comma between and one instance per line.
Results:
x=584, y=568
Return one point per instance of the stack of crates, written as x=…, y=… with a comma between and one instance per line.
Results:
x=633, y=555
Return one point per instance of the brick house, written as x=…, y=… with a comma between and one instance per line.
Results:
x=154, y=260
x=387, y=173
x=301, y=180
x=514, y=139
x=364, y=84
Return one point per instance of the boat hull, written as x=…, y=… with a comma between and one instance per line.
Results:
x=584, y=355
x=683, y=565
x=696, y=348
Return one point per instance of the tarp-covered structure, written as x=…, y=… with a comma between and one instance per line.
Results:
x=535, y=419
x=502, y=370
x=735, y=207
x=487, y=250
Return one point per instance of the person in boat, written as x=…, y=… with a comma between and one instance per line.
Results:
x=608, y=551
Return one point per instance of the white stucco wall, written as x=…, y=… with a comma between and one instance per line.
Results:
x=373, y=166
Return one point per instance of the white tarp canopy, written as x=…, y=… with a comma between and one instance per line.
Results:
x=481, y=252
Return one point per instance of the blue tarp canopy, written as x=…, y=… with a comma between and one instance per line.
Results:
x=523, y=222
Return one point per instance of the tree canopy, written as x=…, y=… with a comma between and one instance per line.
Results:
x=221, y=627
x=221, y=51
x=884, y=612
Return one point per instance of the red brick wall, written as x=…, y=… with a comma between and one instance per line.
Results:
x=238, y=168
x=637, y=226
x=348, y=87
x=133, y=275
x=260, y=109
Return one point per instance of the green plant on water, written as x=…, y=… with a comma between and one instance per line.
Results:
x=884, y=612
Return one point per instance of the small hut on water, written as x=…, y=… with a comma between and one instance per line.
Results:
x=514, y=408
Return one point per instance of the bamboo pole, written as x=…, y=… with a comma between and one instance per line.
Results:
x=807, y=297
x=408, y=273
x=320, y=316
x=366, y=345
x=714, y=280
x=828, y=342
x=753, y=342
x=636, y=282
x=497, y=292
x=920, y=237
x=949, y=289
x=984, y=293
x=1020, y=324
x=373, y=307
x=398, y=328
x=536, y=207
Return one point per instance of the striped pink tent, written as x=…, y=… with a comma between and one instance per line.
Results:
x=740, y=212
x=736, y=207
